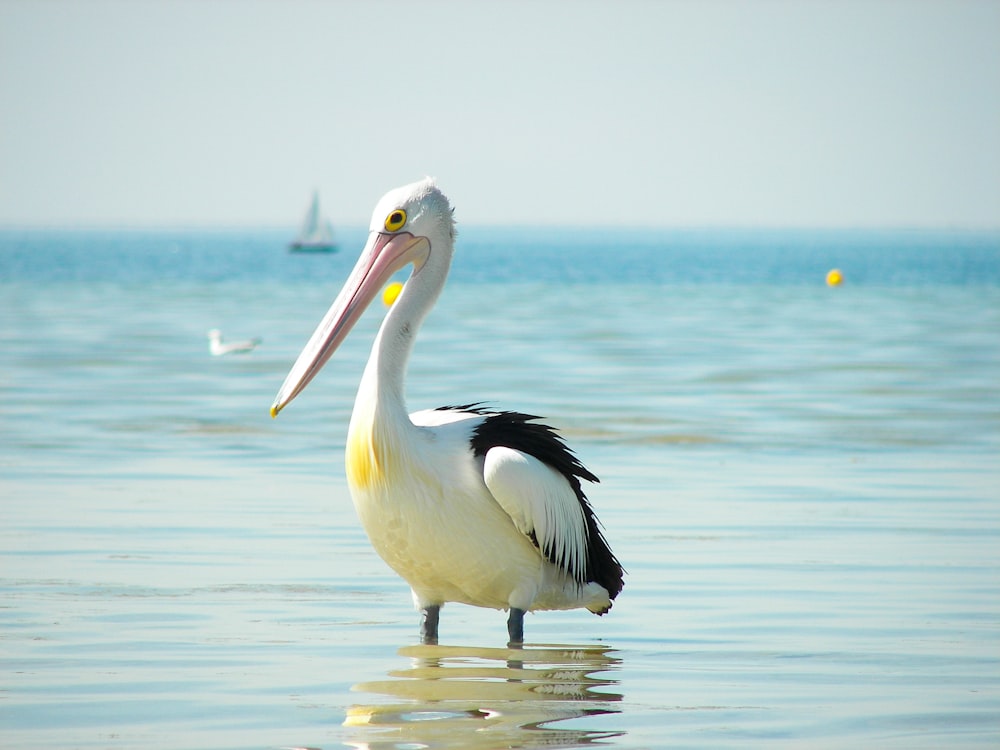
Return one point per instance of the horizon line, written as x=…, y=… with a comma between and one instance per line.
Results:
x=514, y=226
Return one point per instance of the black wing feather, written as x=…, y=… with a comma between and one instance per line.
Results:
x=511, y=429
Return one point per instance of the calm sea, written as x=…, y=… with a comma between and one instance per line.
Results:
x=803, y=483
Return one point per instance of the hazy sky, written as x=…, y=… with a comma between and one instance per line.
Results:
x=582, y=113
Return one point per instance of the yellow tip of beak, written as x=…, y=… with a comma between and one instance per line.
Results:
x=274, y=411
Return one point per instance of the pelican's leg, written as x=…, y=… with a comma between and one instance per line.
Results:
x=515, y=627
x=429, y=624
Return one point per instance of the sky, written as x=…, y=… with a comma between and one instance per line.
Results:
x=731, y=114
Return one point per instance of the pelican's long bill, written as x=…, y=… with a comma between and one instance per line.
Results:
x=384, y=254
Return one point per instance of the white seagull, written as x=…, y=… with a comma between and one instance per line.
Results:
x=465, y=503
x=218, y=347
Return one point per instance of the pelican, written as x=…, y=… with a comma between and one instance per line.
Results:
x=465, y=503
x=218, y=347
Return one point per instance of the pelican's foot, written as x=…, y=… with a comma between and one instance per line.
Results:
x=429, y=625
x=515, y=627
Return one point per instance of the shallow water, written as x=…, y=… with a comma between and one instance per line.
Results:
x=802, y=483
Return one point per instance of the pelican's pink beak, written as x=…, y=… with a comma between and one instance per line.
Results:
x=384, y=254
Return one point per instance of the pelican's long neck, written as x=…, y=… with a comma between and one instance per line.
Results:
x=383, y=382
x=380, y=421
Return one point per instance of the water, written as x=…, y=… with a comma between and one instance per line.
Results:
x=802, y=482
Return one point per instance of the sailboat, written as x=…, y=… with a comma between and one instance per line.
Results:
x=316, y=234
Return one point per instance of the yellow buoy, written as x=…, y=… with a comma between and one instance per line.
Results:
x=391, y=292
x=834, y=277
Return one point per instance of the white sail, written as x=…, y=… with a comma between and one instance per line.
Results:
x=316, y=233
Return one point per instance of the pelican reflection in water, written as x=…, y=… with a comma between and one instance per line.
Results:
x=489, y=698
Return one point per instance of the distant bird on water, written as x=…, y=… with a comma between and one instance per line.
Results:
x=218, y=347
x=467, y=504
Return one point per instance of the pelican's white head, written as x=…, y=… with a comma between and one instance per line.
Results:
x=419, y=208
x=411, y=225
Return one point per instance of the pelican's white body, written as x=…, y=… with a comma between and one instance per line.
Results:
x=431, y=516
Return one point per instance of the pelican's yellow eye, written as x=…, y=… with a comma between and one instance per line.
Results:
x=395, y=221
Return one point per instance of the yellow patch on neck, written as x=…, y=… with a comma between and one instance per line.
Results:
x=363, y=458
